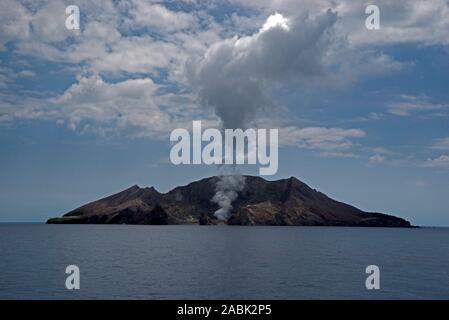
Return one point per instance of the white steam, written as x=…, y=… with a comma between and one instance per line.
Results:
x=227, y=189
x=235, y=76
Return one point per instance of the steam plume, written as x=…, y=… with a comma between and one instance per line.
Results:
x=227, y=189
x=233, y=74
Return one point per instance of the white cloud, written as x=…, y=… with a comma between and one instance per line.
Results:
x=274, y=21
x=48, y=23
x=15, y=20
x=232, y=75
x=6, y=76
x=106, y=44
x=377, y=158
x=133, y=103
x=26, y=74
x=137, y=106
x=155, y=15
x=137, y=55
x=336, y=154
x=319, y=138
x=409, y=21
x=381, y=150
x=101, y=32
x=112, y=53
x=408, y=105
x=302, y=51
x=442, y=144
x=440, y=162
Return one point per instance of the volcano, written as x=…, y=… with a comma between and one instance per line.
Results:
x=285, y=202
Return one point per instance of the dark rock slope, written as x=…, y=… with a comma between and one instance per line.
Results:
x=262, y=202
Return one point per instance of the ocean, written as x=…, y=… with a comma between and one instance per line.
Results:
x=222, y=262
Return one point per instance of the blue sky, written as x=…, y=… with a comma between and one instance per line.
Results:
x=363, y=114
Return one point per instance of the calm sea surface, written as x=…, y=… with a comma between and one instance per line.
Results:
x=222, y=262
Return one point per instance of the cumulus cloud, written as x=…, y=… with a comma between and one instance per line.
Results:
x=147, y=14
x=48, y=23
x=410, y=21
x=107, y=41
x=137, y=106
x=234, y=75
x=134, y=103
x=138, y=55
x=15, y=20
x=102, y=49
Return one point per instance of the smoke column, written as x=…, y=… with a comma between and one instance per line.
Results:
x=234, y=75
x=226, y=191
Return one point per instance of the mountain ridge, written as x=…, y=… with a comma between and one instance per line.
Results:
x=261, y=202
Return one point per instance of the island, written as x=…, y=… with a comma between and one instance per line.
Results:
x=285, y=202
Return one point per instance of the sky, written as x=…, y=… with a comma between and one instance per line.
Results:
x=362, y=114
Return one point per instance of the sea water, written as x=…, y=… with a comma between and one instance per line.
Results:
x=222, y=262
